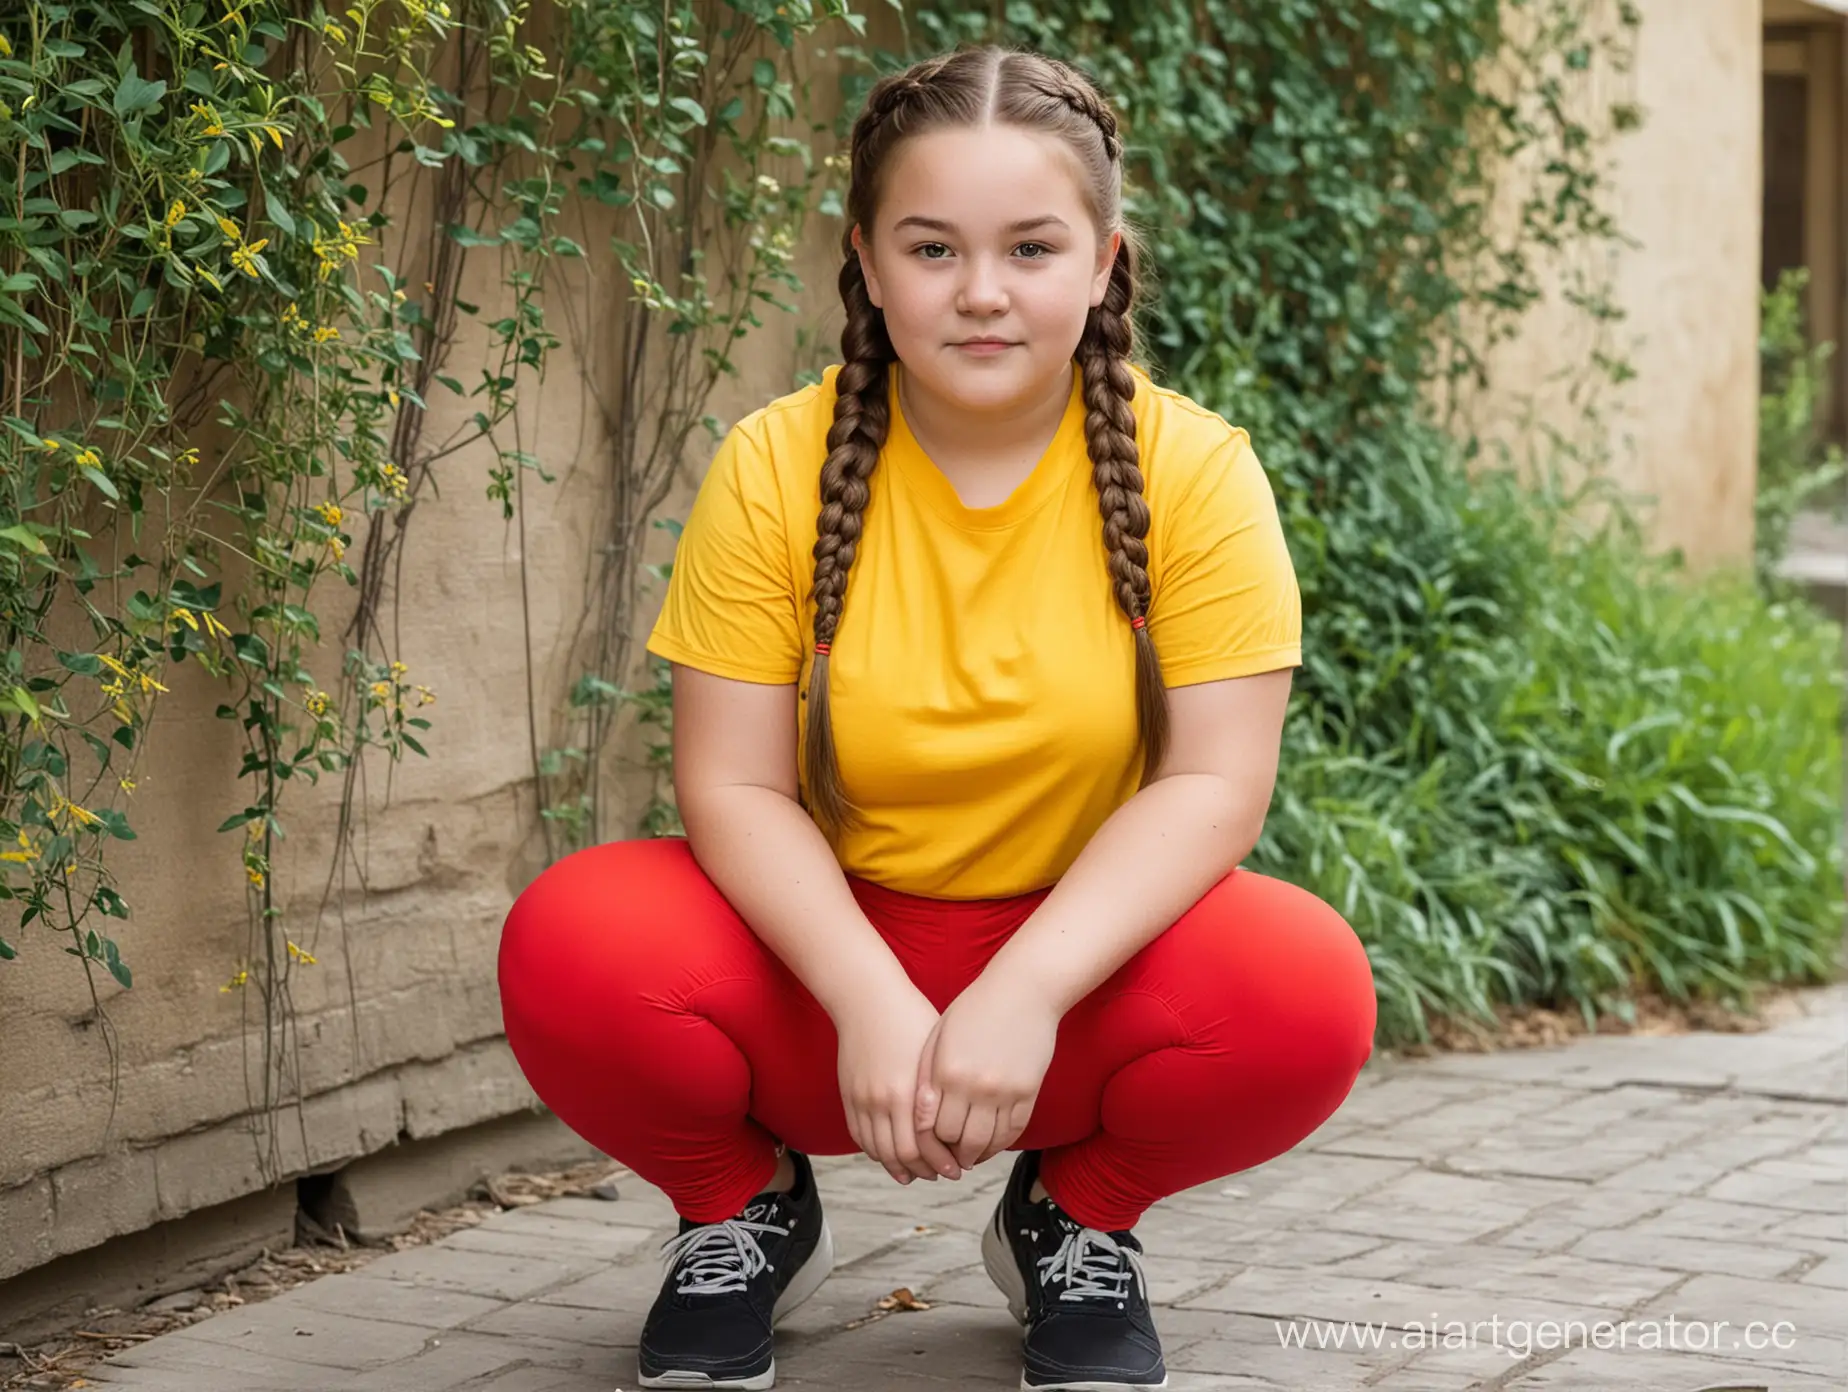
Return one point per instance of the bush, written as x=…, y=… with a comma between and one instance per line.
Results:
x=1528, y=763
x=1797, y=468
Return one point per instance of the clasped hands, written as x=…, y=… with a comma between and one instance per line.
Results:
x=931, y=1095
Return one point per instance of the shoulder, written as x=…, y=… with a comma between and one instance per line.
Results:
x=1178, y=439
x=791, y=432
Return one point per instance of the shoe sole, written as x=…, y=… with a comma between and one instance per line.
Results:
x=998, y=1261
x=804, y=1284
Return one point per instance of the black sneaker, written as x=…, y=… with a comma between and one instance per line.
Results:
x=1080, y=1292
x=728, y=1283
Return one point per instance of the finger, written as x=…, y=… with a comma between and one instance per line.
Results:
x=977, y=1133
x=937, y=1155
x=1014, y=1128
x=928, y=1095
x=886, y=1148
x=952, y=1115
x=906, y=1140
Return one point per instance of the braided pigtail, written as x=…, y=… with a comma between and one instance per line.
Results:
x=1110, y=438
x=862, y=416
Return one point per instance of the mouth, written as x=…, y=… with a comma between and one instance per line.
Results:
x=985, y=345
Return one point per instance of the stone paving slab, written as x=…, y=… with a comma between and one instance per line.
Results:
x=1495, y=1223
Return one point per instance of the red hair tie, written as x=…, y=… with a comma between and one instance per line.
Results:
x=823, y=649
x=1138, y=622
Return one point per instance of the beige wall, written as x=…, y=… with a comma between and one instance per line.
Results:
x=447, y=844
x=1683, y=435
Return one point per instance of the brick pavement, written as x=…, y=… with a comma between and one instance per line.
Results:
x=1700, y=1176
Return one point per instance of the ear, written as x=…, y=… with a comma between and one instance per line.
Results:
x=865, y=253
x=1106, y=262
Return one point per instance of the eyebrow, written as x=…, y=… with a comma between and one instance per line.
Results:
x=1024, y=225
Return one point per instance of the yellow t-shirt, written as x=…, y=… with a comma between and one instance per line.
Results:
x=982, y=679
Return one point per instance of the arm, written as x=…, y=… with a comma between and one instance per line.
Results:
x=1163, y=849
x=735, y=782
x=982, y=1067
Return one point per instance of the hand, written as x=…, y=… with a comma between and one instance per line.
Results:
x=981, y=1069
x=880, y=1041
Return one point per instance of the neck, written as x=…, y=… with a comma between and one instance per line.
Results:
x=945, y=429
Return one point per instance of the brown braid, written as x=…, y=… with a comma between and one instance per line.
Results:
x=971, y=88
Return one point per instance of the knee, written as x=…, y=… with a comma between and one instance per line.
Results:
x=589, y=922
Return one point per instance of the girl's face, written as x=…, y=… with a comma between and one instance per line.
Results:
x=986, y=260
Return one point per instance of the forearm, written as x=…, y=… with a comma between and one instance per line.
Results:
x=770, y=860
x=1145, y=867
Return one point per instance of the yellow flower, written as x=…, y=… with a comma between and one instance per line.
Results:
x=275, y=134
x=334, y=32
x=6, y=49
x=329, y=513
x=317, y=703
x=254, y=875
x=381, y=689
x=112, y=664
x=187, y=458
x=230, y=229
x=242, y=257
x=210, y=279
x=122, y=713
x=148, y=683
x=337, y=546
x=425, y=696
x=112, y=688
x=26, y=853
x=302, y=955
x=185, y=616
x=212, y=625
x=127, y=784
x=88, y=458
x=326, y=332
x=51, y=445
x=233, y=983
x=398, y=669
x=204, y=111
x=391, y=395
x=176, y=212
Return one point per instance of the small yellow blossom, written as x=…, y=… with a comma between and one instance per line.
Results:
x=27, y=852
x=382, y=690
x=185, y=616
x=398, y=669
x=122, y=713
x=329, y=513
x=88, y=458
x=242, y=256
x=230, y=229
x=317, y=704
x=425, y=696
x=176, y=212
x=326, y=332
x=204, y=111
x=302, y=955
x=112, y=664
x=334, y=32
x=148, y=683
x=51, y=445
x=113, y=687
x=275, y=134
x=254, y=875
x=234, y=983
x=6, y=49
x=210, y=279
x=337, y=546
x=391, y=395
x=187, y=458
x=213, y=626
x=127, y=784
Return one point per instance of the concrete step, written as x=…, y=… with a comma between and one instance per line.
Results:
x=1818, y=560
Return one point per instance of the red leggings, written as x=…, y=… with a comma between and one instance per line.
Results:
x=651, y=1019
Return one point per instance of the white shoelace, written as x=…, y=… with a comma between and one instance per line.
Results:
x=1091, y=1265
x=718, y=1257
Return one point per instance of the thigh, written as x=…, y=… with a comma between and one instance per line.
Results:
x=625, y=956
x=1258, y=972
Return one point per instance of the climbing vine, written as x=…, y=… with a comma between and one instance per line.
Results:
x=232, y=241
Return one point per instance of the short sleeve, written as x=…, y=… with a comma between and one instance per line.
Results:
x=731, y=606
x=1225, y=601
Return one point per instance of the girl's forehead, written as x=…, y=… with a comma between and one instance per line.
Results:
x=987, y=176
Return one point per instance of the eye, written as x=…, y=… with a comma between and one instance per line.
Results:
x=1040, y=248
x=925, y=249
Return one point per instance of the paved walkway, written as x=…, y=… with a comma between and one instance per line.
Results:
x=1703, y=1177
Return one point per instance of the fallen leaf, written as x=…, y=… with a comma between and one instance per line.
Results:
x=901, y=1299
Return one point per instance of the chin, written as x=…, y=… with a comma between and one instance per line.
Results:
x=986, y=385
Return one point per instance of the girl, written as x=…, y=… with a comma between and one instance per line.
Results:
x=965, y=777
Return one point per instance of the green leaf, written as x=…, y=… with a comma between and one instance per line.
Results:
x=763, y=74
x=103, y=485
x=21, y=701
x=689, y=108
x=135, y=93
x=25, y=537
x=7, y=951
x=277, y=212
x=76, y=218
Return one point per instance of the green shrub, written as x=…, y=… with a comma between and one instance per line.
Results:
x=1797, y=468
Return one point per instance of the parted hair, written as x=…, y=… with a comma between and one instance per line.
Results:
x=976, y=87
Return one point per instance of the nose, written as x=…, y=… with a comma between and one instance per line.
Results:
x=982, y=291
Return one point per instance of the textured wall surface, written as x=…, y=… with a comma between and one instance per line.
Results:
x=1686, y=187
